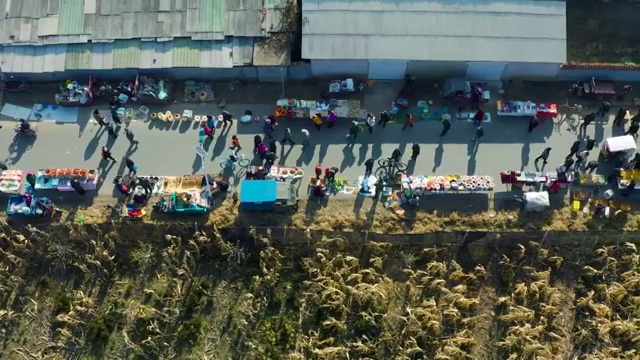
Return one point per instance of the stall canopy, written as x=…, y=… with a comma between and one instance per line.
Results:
x=621, y=143
x=258, y=194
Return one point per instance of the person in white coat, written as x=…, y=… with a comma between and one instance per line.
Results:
x=371, y=122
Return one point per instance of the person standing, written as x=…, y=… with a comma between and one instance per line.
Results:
x=591, y=143
x=98, y=118
x=106, y=154
x=415, y=151
x=384, y=119
x=368, y=167
x=305, y=138
x=625, y=90
x=211, y=122
x=574, y=149
x=354, y=130
x=478, y=117
x=544, y=157
x=396, y=155
x=605, y=108
x=446, y=125
x=581, y=158
x=591, y=166
x=31, y=180
x=622, y=113
x=227, y=118
x=317, y=121
x=111, y=130
x=332, y=119
x=116, y=117
x=371, y=122
x=287, y=137
x=633, y=129
x=130, y=136
x=408, y=122
x=133, y=168
x=533, y=123
x=3, y=166
x=588, y=119
x=257, y=140
x=267, y=129
x=479, y=134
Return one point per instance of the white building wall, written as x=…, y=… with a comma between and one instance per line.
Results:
x=435, y=70
x=531, y=71
x=486, y=70
x=387, y=69
x=339, y=68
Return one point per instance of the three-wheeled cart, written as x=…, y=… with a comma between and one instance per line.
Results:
x=30, y=206
x=261, y=195
x=619, y=148
x=598, y=88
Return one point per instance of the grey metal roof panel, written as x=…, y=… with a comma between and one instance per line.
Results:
x=242, y=51
x=244, y=4
x=244, y=23
x=462, y=30
x=53, y=7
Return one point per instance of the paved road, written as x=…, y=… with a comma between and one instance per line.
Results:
x=169, y=150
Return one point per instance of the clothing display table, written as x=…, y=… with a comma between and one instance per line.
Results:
x=292, y=108
x=526, y=108
x=60, y=179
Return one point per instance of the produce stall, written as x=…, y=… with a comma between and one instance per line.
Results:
x=11, y=181
x=534, y=177
x=625, y=178
x=305, y=109
x=279, y=172
x=60, y=179
x=526, y=108
x=335, y=186
x=591, y=180
x=151, y=90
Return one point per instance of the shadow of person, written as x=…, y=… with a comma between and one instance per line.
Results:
x=437, y=157
x=524, y=155
x=197, y=164
x=347, y=159
x=362, y=153
x=323, y=152
x=411, y=165
x=357, y=205
x=91, y=148
x=472, y=150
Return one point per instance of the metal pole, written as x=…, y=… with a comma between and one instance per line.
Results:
x=282, y=81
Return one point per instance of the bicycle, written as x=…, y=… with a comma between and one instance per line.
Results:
x=561, y=118
x=393, y=164
x=230, y=164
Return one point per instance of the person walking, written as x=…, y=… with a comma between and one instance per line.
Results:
x=3, y=166
x=371, y=122
x=235, y=143
x=131, y=137
x=116, y=117
x=31, y=180
x=591, y=143
x=581, y=158
x=591, y=166
x=211, y=122
x=574, y=149
x=257, y=140
x=273, y=147
x=111, y=130
x=354, y=130
x=305, y=138
x=408, y=122
x=396, y=155
x=633, y=129
x=133, y=168
x=622, y=113
x=625, y=90
x=98, y=118
x=106, y=154
x=227, y=118
x=446, y=125
x=368, y=167
x=605, y=108
x=533, y=123
x=384, y=118
x=415, y=151
x=267, y=129
x=478, y=117
x=317, y=121
x=588, y=119
x=479, y=134
x=287, y=138
x=332, y=118
x=544, y=157
x=208, y=131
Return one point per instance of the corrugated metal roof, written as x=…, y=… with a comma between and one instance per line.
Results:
x=71, y=17
x=242, y=51
x=186, y=53
x=456, y=30
x=102, y=56
x=78, y=57
x=126, y=54
x=33, y=59
x=244, y=23
x=211, y=15
x=216, y=54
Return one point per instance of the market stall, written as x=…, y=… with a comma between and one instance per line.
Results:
x=591, y=180
x=152, y=90
x=618, y=148
x=305, y=109
x=534, y=177
x=286, y=173
x=72, y=93
x=526, y=108
x=60, y=179
x=198, y=91
x=11, y=181
x=414, y=187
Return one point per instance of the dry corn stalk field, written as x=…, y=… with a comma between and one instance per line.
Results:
x=140, y=291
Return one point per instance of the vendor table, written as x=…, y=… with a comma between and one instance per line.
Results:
x=60, y=179
x=427, y=185
x=468, y=116
x=285, y=172
x=526, y=108
x=591, y=180
x=292, y=108
x=528, y=177
x=11, y=181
